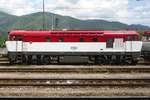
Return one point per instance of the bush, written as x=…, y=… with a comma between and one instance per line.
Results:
x=2, y=42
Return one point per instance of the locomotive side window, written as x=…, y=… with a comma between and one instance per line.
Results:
x=109, y=43
x=48, y=39
x=16, y=38
x=94, y=39
x=131, y=38
x=12, y=38
x=128, y=38
x=147, y=37
x=81, y=40
x=61, y=40
x=134, y=38
x=144, y=38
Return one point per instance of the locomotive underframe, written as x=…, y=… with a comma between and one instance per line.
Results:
x=146, y=55
x=71, y=57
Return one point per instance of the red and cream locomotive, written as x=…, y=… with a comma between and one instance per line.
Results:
x=73, y=46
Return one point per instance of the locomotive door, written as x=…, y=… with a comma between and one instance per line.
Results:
x=129, y=44
x=118, y=44
x=19, y=43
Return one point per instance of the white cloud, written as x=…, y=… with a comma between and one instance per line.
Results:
x=16, y=7
x=91, y=8
x=113, y=10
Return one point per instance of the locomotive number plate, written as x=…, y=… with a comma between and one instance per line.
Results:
x=73, y=48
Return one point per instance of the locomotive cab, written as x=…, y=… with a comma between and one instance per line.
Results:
x=15, y=48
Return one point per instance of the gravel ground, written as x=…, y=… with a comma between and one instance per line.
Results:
x=87, y=91
x=74, y=66
x=99, y=91
x=3, y=51
x=73, y=75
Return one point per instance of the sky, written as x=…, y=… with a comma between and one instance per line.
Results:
x=126, y=11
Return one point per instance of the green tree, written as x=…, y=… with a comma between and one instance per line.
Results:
x=2, y=41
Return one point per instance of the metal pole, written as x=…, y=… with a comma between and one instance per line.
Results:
x=52, y=22
x=43, y=15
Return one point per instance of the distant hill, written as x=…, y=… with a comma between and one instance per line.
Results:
x=6, y=21
x=34, y=22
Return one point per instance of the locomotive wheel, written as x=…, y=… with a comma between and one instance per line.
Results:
x=130, y=61
x=119, y=60
x=99, y=60
x=24, y=60
x=112, y=62
x=12, y=59
x=29, y=60
x=38, y=59
x=108, y=59
x=11, y=62
x=134, y=62
x=46, y=60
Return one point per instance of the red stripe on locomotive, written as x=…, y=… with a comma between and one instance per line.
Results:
x=72, y=36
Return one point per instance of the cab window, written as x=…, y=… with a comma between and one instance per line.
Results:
x=109, y=43
x=16, y=38
x=146, y=38
x=81, y=40
x=128, y=38
x=134, y=38
x=131, y=38
x=94, y=40
x=48, y=39
x=61, y=40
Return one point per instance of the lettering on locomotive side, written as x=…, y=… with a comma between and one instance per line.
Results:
x=73, y=47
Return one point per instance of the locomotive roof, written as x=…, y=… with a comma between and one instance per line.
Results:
x=83, y=32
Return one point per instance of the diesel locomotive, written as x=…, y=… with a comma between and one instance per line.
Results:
x=74, y=46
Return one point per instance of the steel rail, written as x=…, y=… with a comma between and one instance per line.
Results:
x=74, y=70
x=75, y=98
x=6, y=63
x=75, y=82
x=78, y=79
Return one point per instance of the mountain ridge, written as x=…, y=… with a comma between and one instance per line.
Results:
x=34, y=21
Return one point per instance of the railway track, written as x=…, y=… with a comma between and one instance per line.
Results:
x=78, y=70
x=5, y=62
x=121, y=82
x=76, y=98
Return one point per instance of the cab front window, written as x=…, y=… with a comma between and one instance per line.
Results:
x=15, y=38
x=146, y=38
